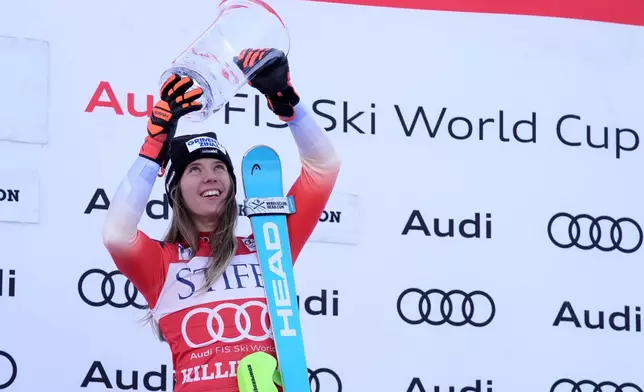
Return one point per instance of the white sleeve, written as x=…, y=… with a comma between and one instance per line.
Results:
x=314, y=146
x=128, y=203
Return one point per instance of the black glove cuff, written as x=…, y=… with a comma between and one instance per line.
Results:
x=284, y=102
x=286, y=96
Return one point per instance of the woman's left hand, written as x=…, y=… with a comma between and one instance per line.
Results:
x=273, y=79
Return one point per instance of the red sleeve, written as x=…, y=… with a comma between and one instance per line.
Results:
x=311, y=192
x=312, y=188
x=145, y=263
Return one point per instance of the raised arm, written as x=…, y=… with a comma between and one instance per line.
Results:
x=142, y=260
x=312, y=188
x=320, y=163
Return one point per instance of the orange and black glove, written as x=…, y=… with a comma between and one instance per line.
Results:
x=175, y=102
x=273, y=79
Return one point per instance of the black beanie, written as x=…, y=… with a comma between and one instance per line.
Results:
x=187, y=149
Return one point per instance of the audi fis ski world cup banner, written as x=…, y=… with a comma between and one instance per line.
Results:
x=485, y=233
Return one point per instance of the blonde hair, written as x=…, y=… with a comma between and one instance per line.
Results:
x=223, y=242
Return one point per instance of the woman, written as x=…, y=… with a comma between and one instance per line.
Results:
x=203, y=284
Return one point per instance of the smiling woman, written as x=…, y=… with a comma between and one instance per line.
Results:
x=202, y=186
x=202, y=283
x=203, y=171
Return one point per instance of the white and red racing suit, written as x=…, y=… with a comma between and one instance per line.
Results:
x=209, y=331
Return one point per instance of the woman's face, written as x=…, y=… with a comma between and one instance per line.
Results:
x=204, y=185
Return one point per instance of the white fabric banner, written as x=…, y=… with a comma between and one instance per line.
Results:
x=24, y=65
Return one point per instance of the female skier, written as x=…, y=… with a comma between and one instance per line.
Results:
x=203, y=284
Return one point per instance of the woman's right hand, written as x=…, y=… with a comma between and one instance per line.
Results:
x=167, y=111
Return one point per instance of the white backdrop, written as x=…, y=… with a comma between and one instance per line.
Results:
x=389, y=64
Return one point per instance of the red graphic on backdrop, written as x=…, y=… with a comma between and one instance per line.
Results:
x=614, y=11
x=104, y=97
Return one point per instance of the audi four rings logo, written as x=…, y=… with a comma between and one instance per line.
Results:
x=455, y=307
x=107, y=289
x=586, y=232
x=568, y=385
x=5, y=357
x=331, y=383
x=215, y=324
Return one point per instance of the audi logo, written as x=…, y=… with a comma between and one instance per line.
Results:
x=568, y=385
x=604, y=233
x=215, y=324
x=108, y=289
x=331, y=383
x=13, y=372
x=444, y=307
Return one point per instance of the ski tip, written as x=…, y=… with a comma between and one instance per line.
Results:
x=259, y=153
x=263, y=148
x=262, y=172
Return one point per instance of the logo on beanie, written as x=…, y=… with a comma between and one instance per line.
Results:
x=203, y=142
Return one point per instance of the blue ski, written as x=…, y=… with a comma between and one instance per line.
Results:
x=267, y=207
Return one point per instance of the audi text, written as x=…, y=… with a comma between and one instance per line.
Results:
x=479, y=386
x=155, y=209
x=465, y=228
x=129, y=380
x=232, y=349
x=334, y=115
x=7, y=283
x=622, y=320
